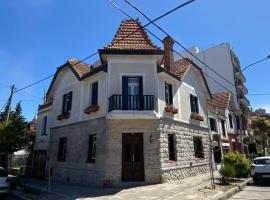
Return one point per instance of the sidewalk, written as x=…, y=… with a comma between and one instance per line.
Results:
x=185, y=189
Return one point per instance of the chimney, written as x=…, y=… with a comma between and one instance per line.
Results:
x=168, y=53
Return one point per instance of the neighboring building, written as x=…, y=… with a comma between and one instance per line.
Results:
x=261, y=114
x=223, y=124
x=224, y=61
x=138, y=116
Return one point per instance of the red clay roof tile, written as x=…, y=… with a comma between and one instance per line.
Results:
x=131, y=35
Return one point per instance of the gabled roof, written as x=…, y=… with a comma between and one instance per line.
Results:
x=219, y=101
x=80, y=69
x=131, y=35
x=181, y=67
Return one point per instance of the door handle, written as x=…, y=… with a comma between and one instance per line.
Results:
x=133, y=159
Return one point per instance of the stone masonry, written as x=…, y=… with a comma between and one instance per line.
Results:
x=108, y=165
x=186, y=164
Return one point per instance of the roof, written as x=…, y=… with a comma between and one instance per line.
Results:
x=80, y=68
x=219, y=100
x=181, y=67
x=131, y=35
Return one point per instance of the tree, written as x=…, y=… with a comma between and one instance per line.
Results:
x=14, y=136
x=260, y=126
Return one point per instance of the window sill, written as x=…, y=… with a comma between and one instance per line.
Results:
x=196, y=116
x=90, y=109
x=64, y=115
x=170, y=161
x=199, y=158
x=171, y=109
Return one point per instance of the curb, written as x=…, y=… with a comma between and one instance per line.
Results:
x=233, y=191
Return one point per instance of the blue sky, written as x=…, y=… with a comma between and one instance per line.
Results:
x=37, y=36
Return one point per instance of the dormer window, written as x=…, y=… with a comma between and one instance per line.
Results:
x=67, y=102
x=168, y=94
x=194, y=104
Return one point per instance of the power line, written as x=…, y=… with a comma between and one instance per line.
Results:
x=93, y=54
x=171, y=48
x=182, y=46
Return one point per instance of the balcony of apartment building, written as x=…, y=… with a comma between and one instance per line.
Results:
x=242, y=89
x=240, y=77
x=244, y=102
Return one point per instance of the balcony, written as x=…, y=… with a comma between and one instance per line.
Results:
x=131, y=102
x=240, y=76
x=244, y=101
x=242, y=89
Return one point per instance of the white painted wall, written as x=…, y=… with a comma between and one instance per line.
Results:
x=218, y=58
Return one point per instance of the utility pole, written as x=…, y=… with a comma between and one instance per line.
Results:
x=9, y=103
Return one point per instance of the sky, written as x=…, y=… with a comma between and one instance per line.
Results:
x=37, y=36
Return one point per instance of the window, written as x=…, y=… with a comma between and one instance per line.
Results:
x=44, y=126
x=62, y=149
x=238, y=123
x=94, y=93
x=171, y=147
x=198, y=147
x=230, y=121
x=67, y=102
x=223, y=127
x=213, y=125
x=92, y=148
x=262, y=162
x=168, y=94
x=194, y=104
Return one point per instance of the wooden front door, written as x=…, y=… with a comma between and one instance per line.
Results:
x=39, y=164
x=132, y=157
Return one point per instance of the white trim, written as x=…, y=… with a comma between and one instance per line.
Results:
x=188, y=86
x=132, y=114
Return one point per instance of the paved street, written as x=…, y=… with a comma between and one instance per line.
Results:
x=253, y=192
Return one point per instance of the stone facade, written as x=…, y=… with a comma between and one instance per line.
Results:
x=108, y=165
x=186, y=163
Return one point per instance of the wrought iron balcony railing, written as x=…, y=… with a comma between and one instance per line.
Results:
x=131, y=102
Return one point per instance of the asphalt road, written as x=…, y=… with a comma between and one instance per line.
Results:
x=254, y=192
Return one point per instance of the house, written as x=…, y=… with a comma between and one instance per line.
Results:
x=138, y=116
x=223, y=124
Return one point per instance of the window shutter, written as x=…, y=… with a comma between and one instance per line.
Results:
x=124, y=92
x=94, y=93
x=196, y=104
x=140, y=86
x=69, y=101
x=44, y=125
x=170, y=95
x=141, y=100
x=63, y=103
x=191, y=103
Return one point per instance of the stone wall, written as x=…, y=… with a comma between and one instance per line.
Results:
x=149, y=127
x=76, y=169
x=186, y=163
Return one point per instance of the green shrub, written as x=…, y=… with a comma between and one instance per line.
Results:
x=240, y=165
x=227, y=170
